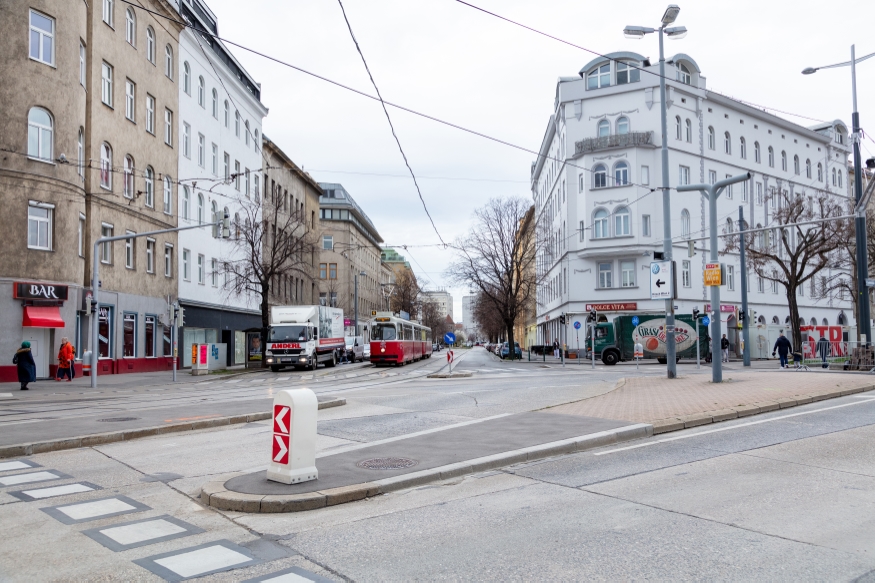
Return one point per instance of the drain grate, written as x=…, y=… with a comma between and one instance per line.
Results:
x=387, y=463
x=117, y=419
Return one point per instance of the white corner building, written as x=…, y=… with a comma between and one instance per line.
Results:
x=596, y=189
x=220, y=163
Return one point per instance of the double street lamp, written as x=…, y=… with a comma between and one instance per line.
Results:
x=675, y=32
x=863, y=322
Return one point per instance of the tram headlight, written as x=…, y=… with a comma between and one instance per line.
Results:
x=382, y=350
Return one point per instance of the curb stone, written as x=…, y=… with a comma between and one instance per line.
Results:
x=24, y=449
x=216, y=495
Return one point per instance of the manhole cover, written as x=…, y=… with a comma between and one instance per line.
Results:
x=116, y=419
x=387, y=463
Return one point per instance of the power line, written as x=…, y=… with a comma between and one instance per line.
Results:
x=421, y=177
x=389, y=119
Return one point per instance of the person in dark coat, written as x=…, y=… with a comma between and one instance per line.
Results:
x=26, y=365
x=823, y=351
x=783, y=348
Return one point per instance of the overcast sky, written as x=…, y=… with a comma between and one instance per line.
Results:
x=448, y=60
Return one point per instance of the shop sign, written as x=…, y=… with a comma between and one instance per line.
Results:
x=23, y=290
x=713, y=274
x=626, y=307
x=724, y=308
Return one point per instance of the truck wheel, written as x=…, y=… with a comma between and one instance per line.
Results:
x=610, y=358
x=662, y=360
x=315, y=363
x=275, y=369
x=333, y=361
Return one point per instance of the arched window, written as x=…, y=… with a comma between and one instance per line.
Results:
x=761, y=320
x=201, y=92
x=712, y=140
x=742, y=148
x=150, y=44
x=813, y=322
x=40, y=134
x=246, y=138
x=257, y=143
x=775, y=320
x=200, y=209
x=237, y=123
x=186, y=203
x=227, y=114
x=130, y=27
x=771, y=157
x=600, y=224
x=128, y=186
x=600, y=176
x=214, y=218
x=106, y=166
x=760, y=238
x=150, y=187
x=168, y=196
x=842, y=320
x=168, y=62
x=833, y=176
x=807, y=168
x=599, y=77
x=796, y=165
x=683, y=74
x=756, y=152
x=186, y=78
x=215, y=103
x=236, y=225
x=623, y=125
x=604, y=128
x=729, y=226
x=685, y=223
x=727, y=143
x=80, y=146
x=824, y=322
x=621, y=174
x=689, y=131
x=622, y=222
x=840, y=178
x=819, y=172
x=677, y=128
x=783, y=160
x=225, y=213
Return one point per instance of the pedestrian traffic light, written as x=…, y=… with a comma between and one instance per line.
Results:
x=562, y=319
x=592, y=315
x=695, y=313
x=741, y=315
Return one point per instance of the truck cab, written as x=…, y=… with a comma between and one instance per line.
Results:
x=606, y=348
x=292, y=345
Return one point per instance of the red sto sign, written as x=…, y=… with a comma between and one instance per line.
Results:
x=281, y=418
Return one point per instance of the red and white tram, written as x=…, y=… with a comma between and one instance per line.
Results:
x=396, y=342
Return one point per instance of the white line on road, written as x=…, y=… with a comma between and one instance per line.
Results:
x=667, y=439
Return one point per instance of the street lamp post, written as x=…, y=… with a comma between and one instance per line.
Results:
x=356, y=299
x=863, y=322
x=677, y=32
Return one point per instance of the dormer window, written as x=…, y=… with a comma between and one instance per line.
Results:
x=683, y=74
x=839, y=138
x=627, y=73
x=599, y=77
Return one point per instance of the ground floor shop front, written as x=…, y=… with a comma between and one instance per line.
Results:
x=238, y=329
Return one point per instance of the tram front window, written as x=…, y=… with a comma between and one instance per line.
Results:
x=383, y=332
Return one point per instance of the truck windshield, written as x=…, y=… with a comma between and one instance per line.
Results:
x=289, y=334
x=383, y=332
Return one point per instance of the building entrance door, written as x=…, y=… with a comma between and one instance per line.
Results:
x=40, y=348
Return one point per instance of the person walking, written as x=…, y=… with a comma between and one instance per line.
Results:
x=556, y=349
x=783, y=348
x=724, y=348
x=823, y=351
x=65, y=360
x=26, y=365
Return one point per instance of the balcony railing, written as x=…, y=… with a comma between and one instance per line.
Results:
x=631, y=139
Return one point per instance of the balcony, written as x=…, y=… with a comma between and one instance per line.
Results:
x=631, y=139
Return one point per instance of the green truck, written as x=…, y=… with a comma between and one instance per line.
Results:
x=615, y=340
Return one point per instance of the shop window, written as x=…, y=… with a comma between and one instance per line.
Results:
x=104, y=332
x=150, y=336
x=129, y=335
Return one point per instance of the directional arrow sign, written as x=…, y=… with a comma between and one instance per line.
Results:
x=659, y=283
x=281, y=419
x=281, y=449
x=660, y=280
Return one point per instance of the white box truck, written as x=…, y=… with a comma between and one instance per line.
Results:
x=304, y=336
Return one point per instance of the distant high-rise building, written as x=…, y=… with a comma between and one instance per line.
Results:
x=444, y=301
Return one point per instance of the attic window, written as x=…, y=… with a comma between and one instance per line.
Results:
x=627, y=73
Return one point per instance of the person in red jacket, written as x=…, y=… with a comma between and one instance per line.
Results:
x=65, y=361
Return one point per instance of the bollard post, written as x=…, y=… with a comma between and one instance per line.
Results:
x=293, y=444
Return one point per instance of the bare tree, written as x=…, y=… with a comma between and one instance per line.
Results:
x=497, y=258
x=269, y=244
x=488, y=318
x=791, y=255
x=406, y=293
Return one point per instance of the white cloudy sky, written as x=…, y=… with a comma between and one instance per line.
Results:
x=450, y=61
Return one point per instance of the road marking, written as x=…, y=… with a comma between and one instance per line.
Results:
x=256, y=381
x=201, y=561
x=16, y=465
x=668, y=439
x=41, y=493
x=141, y=531
x=234, y=381
x=6, y=396
x=283, y=378
x=16, y=479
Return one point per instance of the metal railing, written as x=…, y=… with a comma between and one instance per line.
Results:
x=587, y=145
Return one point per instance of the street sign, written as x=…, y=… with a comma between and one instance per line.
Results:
x=449, y=338
x=713, y=274
x=635, y=320
x=280, y=453
x=576, y=325
x=705, y=320
x=660, y=280
x=293, y=439
x=450, y=356
x=870, y=283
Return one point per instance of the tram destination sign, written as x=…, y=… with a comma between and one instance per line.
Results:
x=25, y=290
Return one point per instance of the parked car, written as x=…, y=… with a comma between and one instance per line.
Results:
x=355, y=348
x=366, y=352
x=505, y=351
x=436, y=347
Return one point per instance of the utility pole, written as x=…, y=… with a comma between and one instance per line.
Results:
x=745, y=313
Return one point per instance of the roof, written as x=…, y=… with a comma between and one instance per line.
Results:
x=617, y=56
x=275, y=149
x=340, y=198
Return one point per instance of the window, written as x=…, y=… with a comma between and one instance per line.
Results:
x=149, y=322
x=186, y=140
x=606, y=271
x=771, y=157
x=712, y=140
x=685, y=223
x=150, y=44
x=256, y=143
x=168, y=127
x=129, y=251
x=622, y=226
x=604, y=128
x=683, y=74
x=106, y=248
x=106, y=84
x=80, y=147
x=42, y=38
x=105, y=166
x=186, y=203
x=82, y=65
x=756, y=152
x=761, y=286
x=168, y=196
x=645, y=225
x=201, y=150
x=247, y=181
x=729, y=226
x=684, y=175
x=214, y=218
x=150, y=256
x=796, y=165
x=621, y=174
x=819, y=172
x=774, y=282
x=807, y=168
x=840, y=178
x=677, y=127
x=214, y=272
x=688, y=131
x=729, y=188
x=328, y=242
x=685, y=274
x=323, y=271
x=200, y=269
x=150, y=114
x=599, y=77
x=215, y=162
x=600, y=176
x=168, y=260
x=108, y=9
x=186, y=78
x=40, y=134
x=81, y=234
x=727, y=143
x=129, y=334
x=39, y=227
x=744, y=191
x=130, y=99
x=712, y=177
x=581, y=230
x=783, y=160
x=168, y=62
x=201, y=92
x=759, y=200
x=237, y=123
x=645, y=175
x=237, y=174
x=215, y=104
x=600, y=224
x=256, y=188
x=200, y=209
x=627, y=273
x=833, y=176
x=130, y=27
x=227, y=111
x=743, y=148
x=246, y=136
x=186, y=273
x=227, y=160
x=627, y=73
x=128, y=185
x=332, y=271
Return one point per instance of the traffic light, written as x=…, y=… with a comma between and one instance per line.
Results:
x=695, y=313
x=741, y=315
x=562, y=319
x=592, y=315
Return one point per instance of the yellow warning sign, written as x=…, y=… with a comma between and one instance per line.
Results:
x=713, y=274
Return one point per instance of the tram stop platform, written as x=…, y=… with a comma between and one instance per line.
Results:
x=366, y=470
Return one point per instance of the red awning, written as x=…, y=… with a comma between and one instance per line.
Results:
x=42, y=317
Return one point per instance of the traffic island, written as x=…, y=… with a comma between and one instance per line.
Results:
x=450, y=375
x=423, y=458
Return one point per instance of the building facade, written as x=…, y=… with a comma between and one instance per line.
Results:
x=443, y=300
x=599, y=207
x=219, y=124
x=87, y=154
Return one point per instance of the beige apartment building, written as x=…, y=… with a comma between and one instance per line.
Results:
x=88, y=139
